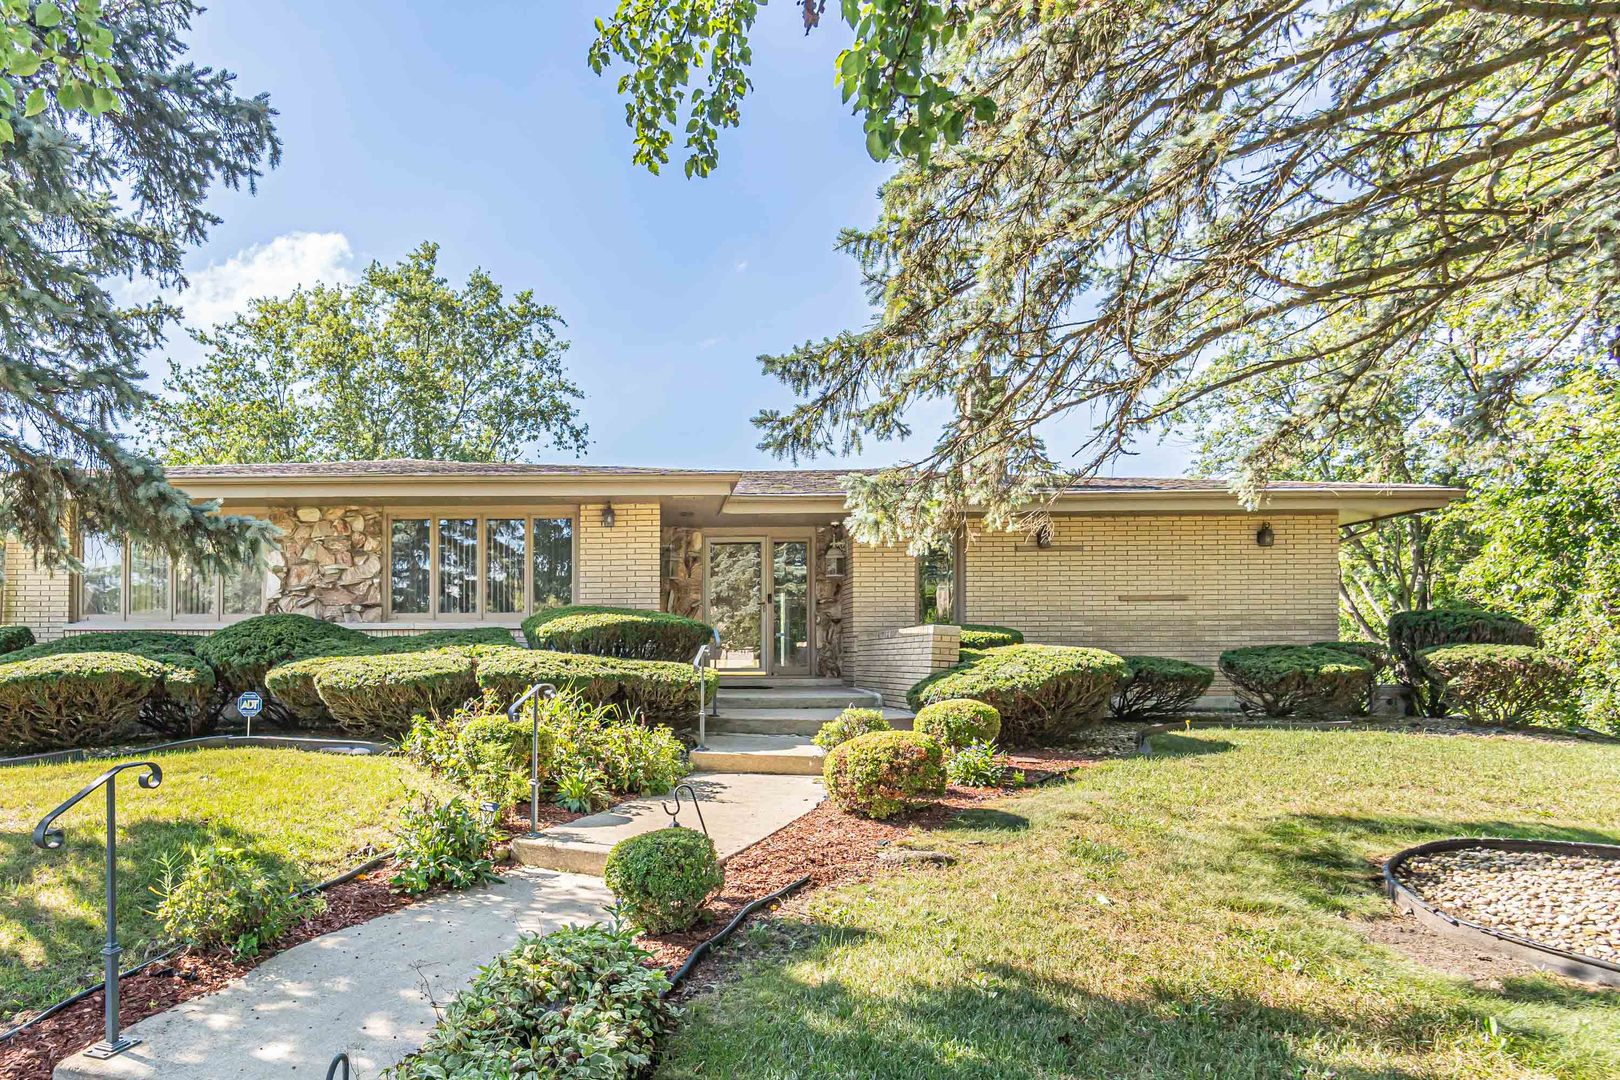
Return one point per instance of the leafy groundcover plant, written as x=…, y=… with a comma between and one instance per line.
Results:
x=577, y=1004
x=219, y=897
x=445, y=844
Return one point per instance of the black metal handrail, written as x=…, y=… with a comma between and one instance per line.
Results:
x=533, y=696
x=332, y=1072
x=52, y=839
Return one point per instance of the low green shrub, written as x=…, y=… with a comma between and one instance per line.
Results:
x=182, y=703
x=582, y=790
x=984, y=636
x=74, y=699
x=582, y=1003
x=663, y=878
x=242, y=653
x=975, y=765
x=481, y=750
x=1044, y=693
x=848, y=724
x=957, y=722
x=138, y=642
x=630, y=757
x=13, y=638
x=655, y=689
x=1452, y=623
x=1371, y=651
x=628, y=633
x=445, y=844
x=1501, y=685
x=881, y=773
x=216, y=897
x=292, y=685
x=380, y=693
x=1285, y=680
x=1158, y=686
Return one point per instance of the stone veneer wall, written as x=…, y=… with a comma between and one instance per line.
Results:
x=681, y=583
x=832, y=608
x=329, y=564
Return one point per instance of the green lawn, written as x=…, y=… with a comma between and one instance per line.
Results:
x=314, y=815
x=1190, y=915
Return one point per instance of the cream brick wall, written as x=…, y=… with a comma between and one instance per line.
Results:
x=1185, y=586
x=38, y=598
x=894, y=661
x=619, y=566
x=882, y=599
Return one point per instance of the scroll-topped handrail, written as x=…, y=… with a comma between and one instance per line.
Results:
x=707, y=653
x=52, y=839
x=533, y=696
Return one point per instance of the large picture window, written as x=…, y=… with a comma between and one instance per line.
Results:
x=137, y=581
x=470, y=567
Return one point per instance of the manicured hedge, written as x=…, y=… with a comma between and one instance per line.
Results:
x=958, y=722
x=881, y=773
x=1371, y=651
x=1043, y=692
x=1455, y=623
x=1159, y=686
x=656, y=689
x=1284, y=680
x=182, y=703
x=984, y=636
x=74, y=699
x=1505, y=685
x=13, y=638
x=663, y=878
x=243, y=653
x=627, y=633
x=378, y=694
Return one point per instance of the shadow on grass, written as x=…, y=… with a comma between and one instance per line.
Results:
x=56, y=898
x=1179, y=744
x=1000, y=1021
x=984, y=820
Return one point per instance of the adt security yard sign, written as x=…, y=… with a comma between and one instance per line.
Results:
x=249, y=704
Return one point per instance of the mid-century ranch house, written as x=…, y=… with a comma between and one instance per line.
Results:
x=1173, y=567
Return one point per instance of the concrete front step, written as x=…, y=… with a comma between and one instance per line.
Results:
x=786, y=682
x=792, y=755
x=799, y=697
x=739, y=809
x=788, y=721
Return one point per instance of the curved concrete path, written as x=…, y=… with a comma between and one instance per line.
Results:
x=371, y=989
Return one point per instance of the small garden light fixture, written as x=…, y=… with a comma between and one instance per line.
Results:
x=1264, y=536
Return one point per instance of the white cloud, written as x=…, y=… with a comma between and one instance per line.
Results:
x=221, y=290
x=709, y=342
x=742, y=265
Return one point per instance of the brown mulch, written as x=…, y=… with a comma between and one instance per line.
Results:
x=515, y=822
x=34, y=1053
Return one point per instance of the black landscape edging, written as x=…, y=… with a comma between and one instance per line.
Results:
x=1497, y=942
x=704, y=947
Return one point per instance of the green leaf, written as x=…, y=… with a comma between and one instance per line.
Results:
x=5, y=131
x=47, y=14
x=878, y=143
x=35, y=103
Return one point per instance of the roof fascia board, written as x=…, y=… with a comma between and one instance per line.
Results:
x=282, y=488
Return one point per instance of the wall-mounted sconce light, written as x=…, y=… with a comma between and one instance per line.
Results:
x=1043, y=535
x=607, y=516
x=1264, y=536
x=832, y=562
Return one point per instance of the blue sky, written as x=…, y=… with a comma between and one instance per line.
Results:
x=489, y=134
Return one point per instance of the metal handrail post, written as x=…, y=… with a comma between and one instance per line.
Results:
x=699, y=663
x=50, y=839
x=533, y=695
x=714, y=662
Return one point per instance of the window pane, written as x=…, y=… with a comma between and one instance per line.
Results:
x=936, y=584
x=101, y=587
x=409, y=572
x=553, y=562
x=503, y=545
x=458, y=566
x=148, y=580
x=244, y=590
x=193, y=591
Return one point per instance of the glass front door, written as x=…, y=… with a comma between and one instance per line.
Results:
x=764, y=622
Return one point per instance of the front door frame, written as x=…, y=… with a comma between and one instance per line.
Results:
x=767, y=539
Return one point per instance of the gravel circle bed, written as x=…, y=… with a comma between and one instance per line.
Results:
x=1570, y=902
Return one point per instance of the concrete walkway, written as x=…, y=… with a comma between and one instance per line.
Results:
x=370, y=990
x=739, y=809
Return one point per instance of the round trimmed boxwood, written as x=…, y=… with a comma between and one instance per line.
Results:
x=663, y=878
x=985, y=636
x=1159, y=686
x=629, y=633
x=958, y=722
x=1504, y=685
x=881, y=773
x=1282, y=680
x=1044, y=693
x=848, y=724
